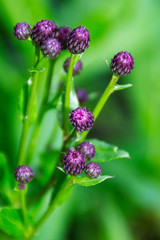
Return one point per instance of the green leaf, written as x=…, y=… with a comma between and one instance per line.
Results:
x=106, y=61
x=86, y=181
x=11, y=222
x=23, y=97
x=22, y=103
x=36, y=70
x=121, y=87
x=60, y=104
x=106, y=152
x=4, y=173
x=48, y=164
x=61, y=169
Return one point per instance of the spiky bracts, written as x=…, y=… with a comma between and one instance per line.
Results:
x=82, y=119
x=22, y=31
x=87, y=149
x=122, y=63
x=51, y=48
x=62, y=34
x=74, y=162
x=93, y=170
x=78, y=40
x=43, y=30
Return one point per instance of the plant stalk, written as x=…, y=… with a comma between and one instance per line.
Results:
x=68, y=85
x=42, y=111
x=23, y=207
x=25, y=128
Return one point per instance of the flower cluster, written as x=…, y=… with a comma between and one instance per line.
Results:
x=74, y=162
x=53, y=40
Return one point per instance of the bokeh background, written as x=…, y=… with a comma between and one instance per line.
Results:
x=128, y=206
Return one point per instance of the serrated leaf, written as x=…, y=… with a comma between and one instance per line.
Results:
x=86, y=181
x=11, y=222
x=121, y=87
x=60, y=104
x=106, y=152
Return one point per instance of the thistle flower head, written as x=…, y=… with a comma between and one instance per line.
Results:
x=62, y=34
x=42, y=30
x=87, y=149
x=23, y=174
x=122, y=63
x=82, y=119
x=22, y=31
x=51, y=48
x=93, y=170
x=74, y=162
x=77, y=67
x=82, y=95
x=78, y=40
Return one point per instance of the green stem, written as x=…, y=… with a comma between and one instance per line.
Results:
x=67, y=94
x=108, y=91
x=23, y=206
x=66, y=184
x=24, y=134
x=42, y=111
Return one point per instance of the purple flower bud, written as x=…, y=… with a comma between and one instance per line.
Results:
x=77, y=67
x=82, y=95
x=74, y=162
x=42, y=30
x=22, y=31
x=78, y=40
x=23, y=174
x=122, y=63
x=82, y=119
x=62, y=34
x=93, y=170
x=51, y=48
x=87, y=149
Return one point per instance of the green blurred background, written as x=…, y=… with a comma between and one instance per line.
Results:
x=128, y=206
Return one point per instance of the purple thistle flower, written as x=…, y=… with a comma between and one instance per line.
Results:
x=93, y=170
x=122, y=63
x=42, y=30
x=62, y=34
x=51, y=48
x=78, y=40
x=87, y=149
x=23, y=174
x=82, y=119
x=82, y=95
x=22, y=31
x=74, y=162
x=77, y=67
